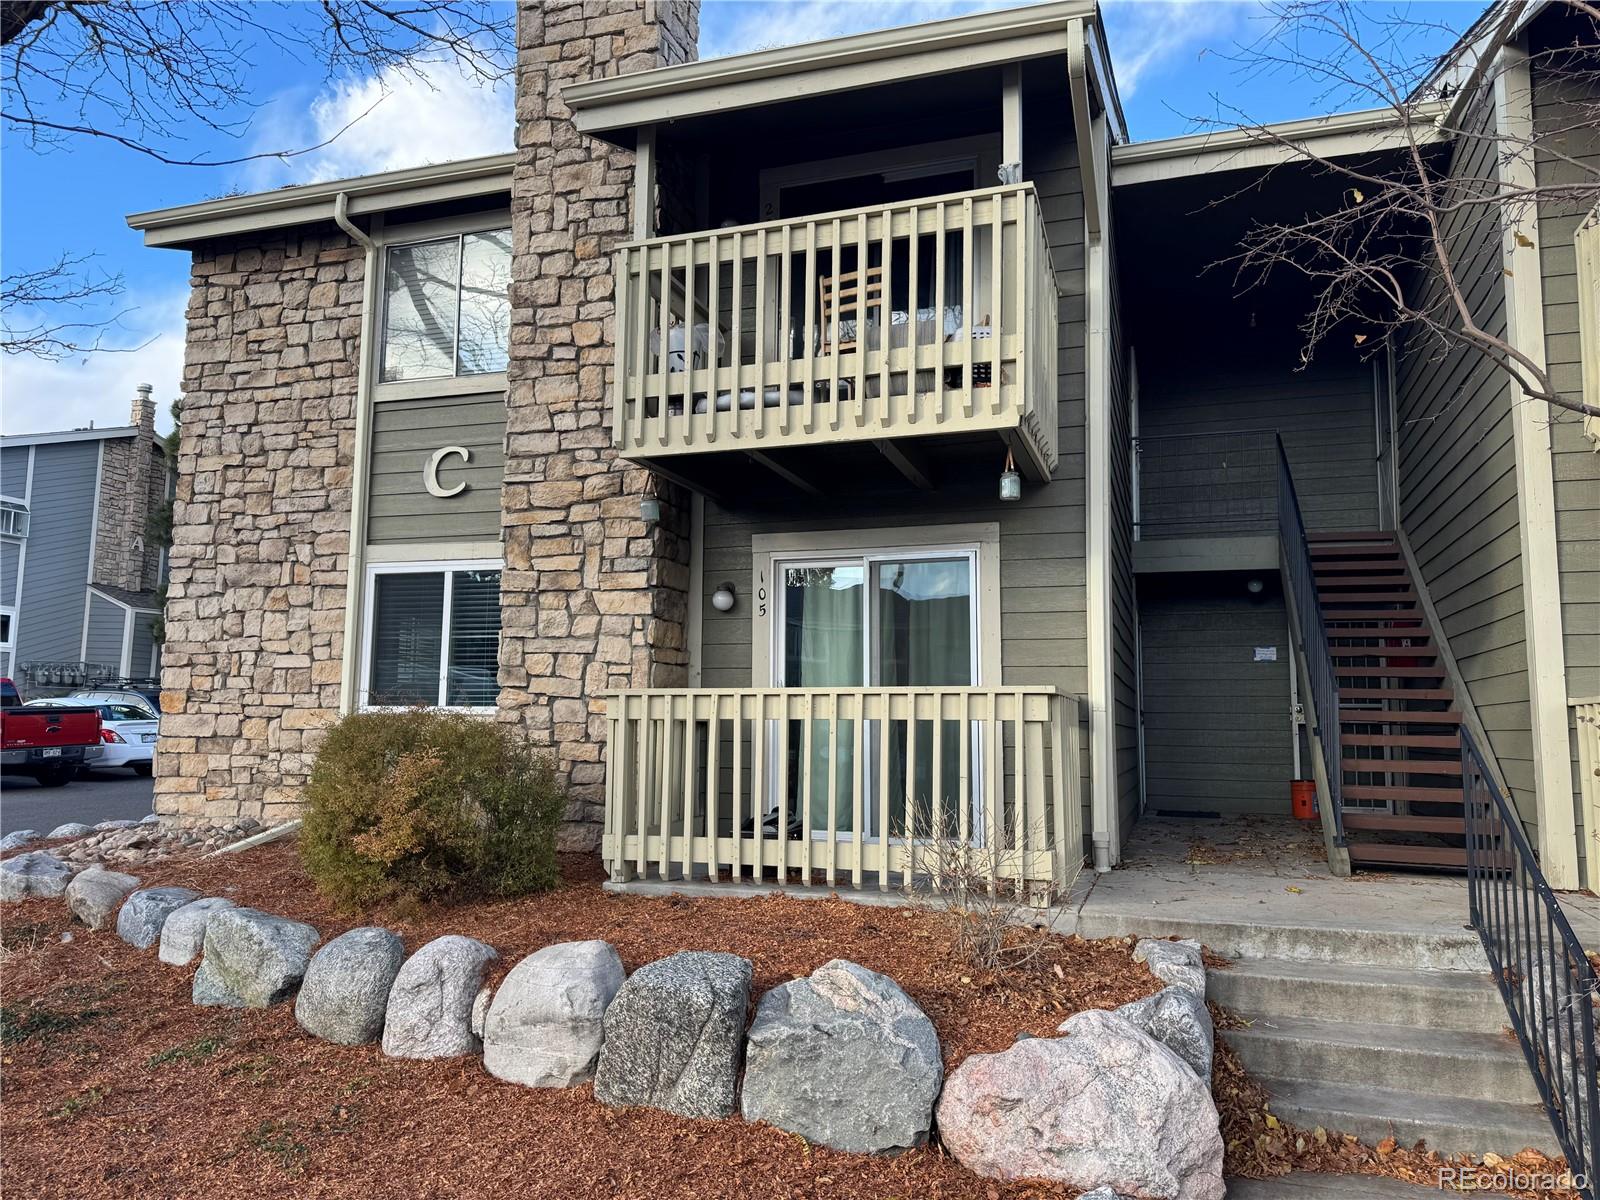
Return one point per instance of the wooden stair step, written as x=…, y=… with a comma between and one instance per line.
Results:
x=1372, y=672
x=1402, y=766
x=1378, y=693
x=1367, y=716
x=1360, y=550
x=1422, y=651
x=1383, y=631
x=1349, y=597
x=1366, y=614
x=1412, y=794
x=1413, y=741
x=1355, y=818
x=1400, y=855
x=1359, y=564
x=1340, y=582
x=1351, y=535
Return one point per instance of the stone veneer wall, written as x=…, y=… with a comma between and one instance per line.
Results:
x=261, y=523
x=591, y=600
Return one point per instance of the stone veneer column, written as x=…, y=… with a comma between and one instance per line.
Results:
x=591, y=599
x=261, y=523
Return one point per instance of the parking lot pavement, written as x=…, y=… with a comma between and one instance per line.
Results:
x=98, y=796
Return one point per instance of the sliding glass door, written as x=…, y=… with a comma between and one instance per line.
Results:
x=878, y=620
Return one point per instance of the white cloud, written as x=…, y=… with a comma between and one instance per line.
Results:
x=43, y=397
x=738, y=26
x=431, y=112
x=1149, y=36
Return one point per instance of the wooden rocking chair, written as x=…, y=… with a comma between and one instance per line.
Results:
x=853, y=298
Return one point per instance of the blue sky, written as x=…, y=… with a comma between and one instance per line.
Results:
x=1171, y=60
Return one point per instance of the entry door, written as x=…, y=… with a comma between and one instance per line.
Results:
x=876, y=620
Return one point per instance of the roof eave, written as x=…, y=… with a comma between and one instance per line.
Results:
x=312, y=203
x=624, y=102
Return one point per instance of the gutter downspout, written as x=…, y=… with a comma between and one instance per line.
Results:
x=1105, y=840
x=356, y=556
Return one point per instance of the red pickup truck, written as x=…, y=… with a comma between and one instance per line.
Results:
x=48, y=744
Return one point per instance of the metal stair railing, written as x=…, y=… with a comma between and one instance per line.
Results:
x=1545, y=978
x=1295, y=554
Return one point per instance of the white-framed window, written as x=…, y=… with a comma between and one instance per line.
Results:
x=432, y=635
x=13, y=519
x=8, y=625
x=446, y=306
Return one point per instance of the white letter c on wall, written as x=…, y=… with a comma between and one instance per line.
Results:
x=430, y=473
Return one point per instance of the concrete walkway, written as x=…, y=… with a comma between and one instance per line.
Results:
x=1222, y=879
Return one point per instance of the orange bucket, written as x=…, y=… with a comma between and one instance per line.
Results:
x=1303, y=799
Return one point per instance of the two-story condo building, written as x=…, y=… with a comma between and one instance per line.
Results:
x=838, y=448
x=79, y=568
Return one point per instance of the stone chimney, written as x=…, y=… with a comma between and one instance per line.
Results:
x=132, y=480
x=143, y=414
x=592, y=598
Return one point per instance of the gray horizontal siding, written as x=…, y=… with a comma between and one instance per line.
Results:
x=56, y=575
x=1216, y=722
x=1457, y=492
x=405, y=434
x=14, y=471
x=1324, y=414
x=1575, y=463
x=143, y=643
x=104, y=644
x=10, y=557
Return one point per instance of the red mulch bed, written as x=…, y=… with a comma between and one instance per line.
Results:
x=139, y=1093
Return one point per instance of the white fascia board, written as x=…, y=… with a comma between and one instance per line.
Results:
x=70, y=435
x=816, y=68
x=309, y=203
x=1333, y=136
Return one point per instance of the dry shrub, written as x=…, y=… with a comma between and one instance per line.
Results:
x=422, y=805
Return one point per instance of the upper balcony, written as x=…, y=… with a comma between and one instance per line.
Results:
x=924, y=321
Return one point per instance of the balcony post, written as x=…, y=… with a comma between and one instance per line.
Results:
x=644, y=185
x=1011, y=121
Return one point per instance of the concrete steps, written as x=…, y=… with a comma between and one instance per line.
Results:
x=1448, y=1124
x=1381, y=1050
x=1473, y=1066
x=1461, y=1000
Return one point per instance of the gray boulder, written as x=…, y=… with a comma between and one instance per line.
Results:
x=429, y=1013
x=1106, y=1106
x=543, y=1027
x=18, y=837
x=1176, y=963
x=105, y=825
x=845, y=1059
x=35, y=873
x=346, y=989
x=72, y=829
x=145, y=912
x=674, y=1035
x=251, y=959
x=1179, y=1020
x=184, y=934
x=94, y=895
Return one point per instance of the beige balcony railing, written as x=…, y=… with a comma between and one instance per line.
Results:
x=933, y=316
x=871, y=788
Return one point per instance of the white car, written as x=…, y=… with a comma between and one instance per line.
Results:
x=128, y=732
x=114, y=696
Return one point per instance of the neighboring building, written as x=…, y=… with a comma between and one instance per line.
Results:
x=804, y=476
x=79, y=571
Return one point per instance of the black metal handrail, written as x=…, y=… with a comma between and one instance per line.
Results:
x=1546, y=980
x=1295, y=553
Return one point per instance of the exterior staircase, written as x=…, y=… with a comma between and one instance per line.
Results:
x=1363, y=1046
x=1399, y=735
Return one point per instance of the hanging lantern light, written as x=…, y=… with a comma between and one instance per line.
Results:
x=1010, y=481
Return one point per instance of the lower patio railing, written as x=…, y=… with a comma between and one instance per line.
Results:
x=871, y=788
x=1545, y=978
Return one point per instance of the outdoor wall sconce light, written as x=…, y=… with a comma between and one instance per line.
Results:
x=1255, y=587
x=723, y=598
x=1010, y=481
x=650, y=511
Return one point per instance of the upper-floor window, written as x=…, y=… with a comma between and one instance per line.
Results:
x=447, y=309
x=13, y=519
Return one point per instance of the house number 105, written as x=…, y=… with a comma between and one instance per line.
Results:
x=430, y=473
